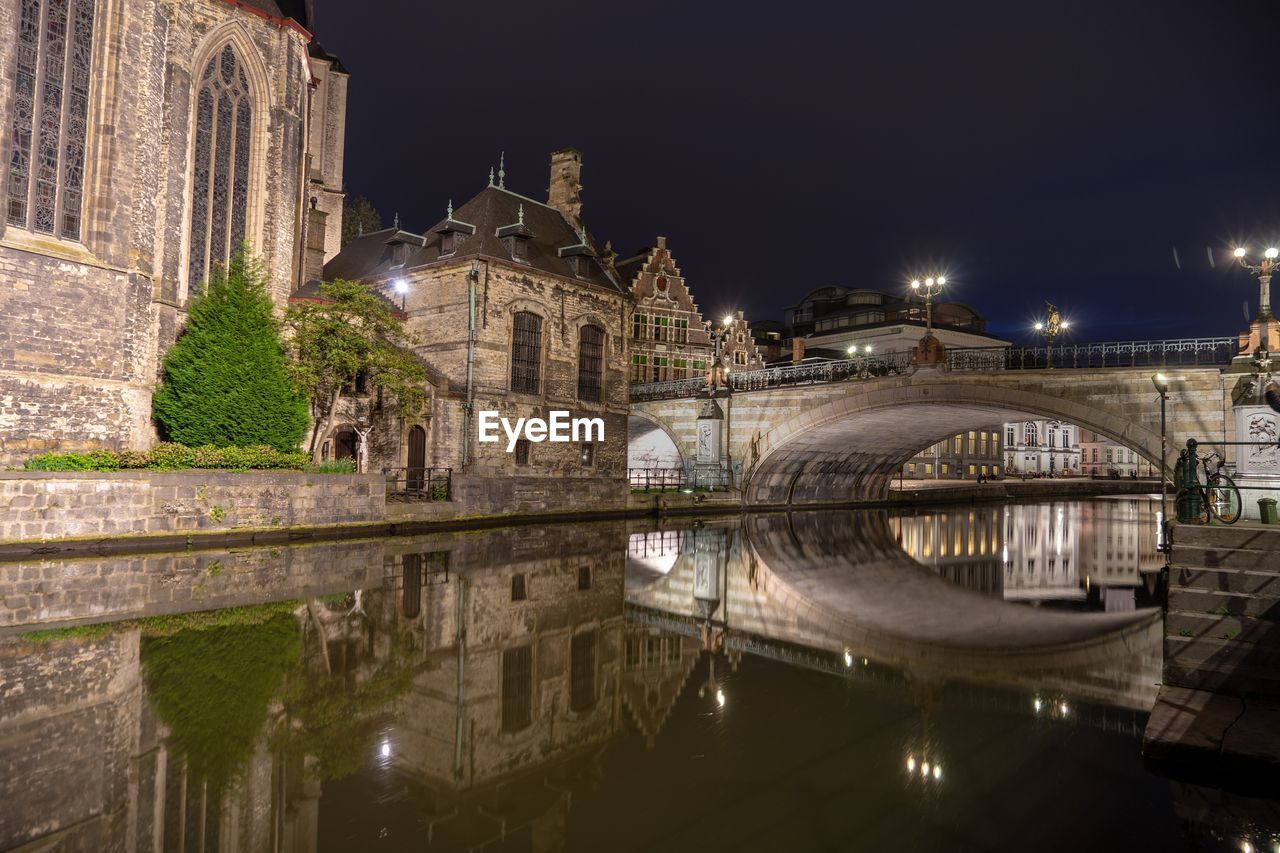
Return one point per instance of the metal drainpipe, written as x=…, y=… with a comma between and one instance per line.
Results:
x=472, y=277
x=460, y=643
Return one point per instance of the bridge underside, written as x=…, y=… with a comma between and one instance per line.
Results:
x=855, y=457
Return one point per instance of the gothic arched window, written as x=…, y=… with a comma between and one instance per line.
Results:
x=45, y=191
x=220, y=186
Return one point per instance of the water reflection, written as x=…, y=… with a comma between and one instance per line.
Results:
x=1097, y=554
x=598, y=687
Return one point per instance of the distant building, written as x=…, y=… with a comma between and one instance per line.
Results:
x=964, y=456
x=1102, y=457
x=669, y=336
x=1041, y=447
x=833, y=318
x=771, y=337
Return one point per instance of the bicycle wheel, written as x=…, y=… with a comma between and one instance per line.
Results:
x=1224, y=498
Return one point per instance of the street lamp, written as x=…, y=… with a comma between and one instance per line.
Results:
x=931, y=287
x=402, y=288
x=1262, y=270
x=1049, y=328
x=1162, y=388
x=719, y=337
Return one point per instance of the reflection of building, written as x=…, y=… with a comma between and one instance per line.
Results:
x=1102, y=457
x=1065, y=550
x=656, y=666
x=1041, y=447
x=832, y=318
x=964, y=456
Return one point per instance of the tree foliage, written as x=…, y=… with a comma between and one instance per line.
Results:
x=226, y=381
x=358, y=217
x=352, y=332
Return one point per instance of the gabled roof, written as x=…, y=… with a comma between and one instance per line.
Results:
x=494, y=208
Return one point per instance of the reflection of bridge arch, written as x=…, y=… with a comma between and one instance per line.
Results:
x=839, y=582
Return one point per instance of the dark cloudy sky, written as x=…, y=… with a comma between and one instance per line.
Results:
x=1034, y=150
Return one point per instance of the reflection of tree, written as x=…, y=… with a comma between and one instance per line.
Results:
x=212, y=687
x=333, y=720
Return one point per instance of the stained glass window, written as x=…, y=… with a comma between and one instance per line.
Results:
x=45, y=190
x=220, y=178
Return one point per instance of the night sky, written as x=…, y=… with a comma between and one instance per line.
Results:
x=1032, y=150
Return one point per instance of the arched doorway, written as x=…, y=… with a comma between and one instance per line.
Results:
x=416, y=473
x=345, y=444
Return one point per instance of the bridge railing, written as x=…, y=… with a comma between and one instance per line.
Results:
x=1167, y=353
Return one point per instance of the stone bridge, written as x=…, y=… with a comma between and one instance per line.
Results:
x=845, y=440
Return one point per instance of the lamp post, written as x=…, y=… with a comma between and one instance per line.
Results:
x=1049, y=328
x=402, y=288
x=719, y=337
x=930, y=288
x=1263, y=271
x=860, y=363
x=1162, y=388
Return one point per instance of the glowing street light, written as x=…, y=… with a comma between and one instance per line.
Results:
x=1050, y=327
x=1262, y=270
x=931, y=287
x=402, y=288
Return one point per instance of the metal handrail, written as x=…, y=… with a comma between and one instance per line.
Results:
x=1178, y=351
x=656, y=479
x=420, y=484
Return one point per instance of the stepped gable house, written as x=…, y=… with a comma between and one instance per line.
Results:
x=669, y=340
x=140, y=142
x=515, y=310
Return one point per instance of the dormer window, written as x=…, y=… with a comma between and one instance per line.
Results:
x=515, y=238
x=578, y=256
x=452, y=232
x=581, y=265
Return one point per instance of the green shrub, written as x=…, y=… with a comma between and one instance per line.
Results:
x=173, y=457
x=333, y=466
x=225, y=382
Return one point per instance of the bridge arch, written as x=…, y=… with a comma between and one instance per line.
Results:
x=652, y=443
x=850, y=447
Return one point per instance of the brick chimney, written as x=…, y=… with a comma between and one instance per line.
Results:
x=565, y=192
x=797, y=350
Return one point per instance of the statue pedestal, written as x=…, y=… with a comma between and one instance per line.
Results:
x=708, y=466
x=929, y=351
x=1264, y=333
x=1257, y=468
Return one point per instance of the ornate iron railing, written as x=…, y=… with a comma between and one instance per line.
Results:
x=656, y=479
x=1180, y=351
x=419, y=484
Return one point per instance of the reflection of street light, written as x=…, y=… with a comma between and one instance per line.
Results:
x=1263, y=271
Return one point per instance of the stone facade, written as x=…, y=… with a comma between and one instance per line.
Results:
x=89, y=312
x=963, y=456
x=40, y=506
x=668, y=338
x=1047, y=447
x=466, y=286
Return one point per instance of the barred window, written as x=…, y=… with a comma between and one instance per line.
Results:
x=590, y=363
x=582, y=671
x=50, y=116
x=220, y=191
x=517, y=688
x=526, y=353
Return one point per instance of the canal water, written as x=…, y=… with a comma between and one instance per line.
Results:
x=959, y=678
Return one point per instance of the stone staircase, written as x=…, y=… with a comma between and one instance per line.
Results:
x=1222, y=631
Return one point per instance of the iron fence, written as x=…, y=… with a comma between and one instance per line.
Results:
x=1167, y=353
x=656, y=479
x=419, y=484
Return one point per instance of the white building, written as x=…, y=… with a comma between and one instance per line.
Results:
x=1046, y=447
x=1102, y=457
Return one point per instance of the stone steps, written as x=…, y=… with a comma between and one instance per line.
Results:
x=1227, y=666
x=1202, y=557
x=1188, y=625
x=1227, y=537
x=1219, y=603
x=1264, y=584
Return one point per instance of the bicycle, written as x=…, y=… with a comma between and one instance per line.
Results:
x=1219, y=496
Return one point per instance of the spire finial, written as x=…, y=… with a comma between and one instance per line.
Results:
x=502, y=171
x=490, y=176
x=396, y=223
x=449, y=210
x=520, y=213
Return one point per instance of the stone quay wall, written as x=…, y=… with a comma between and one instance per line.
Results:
x=44, y=505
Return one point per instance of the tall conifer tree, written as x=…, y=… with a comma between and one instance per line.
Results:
x=225, y=380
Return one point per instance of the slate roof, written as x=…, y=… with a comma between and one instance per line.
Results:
x=373, y=256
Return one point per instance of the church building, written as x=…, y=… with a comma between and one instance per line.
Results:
x=143, y=141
